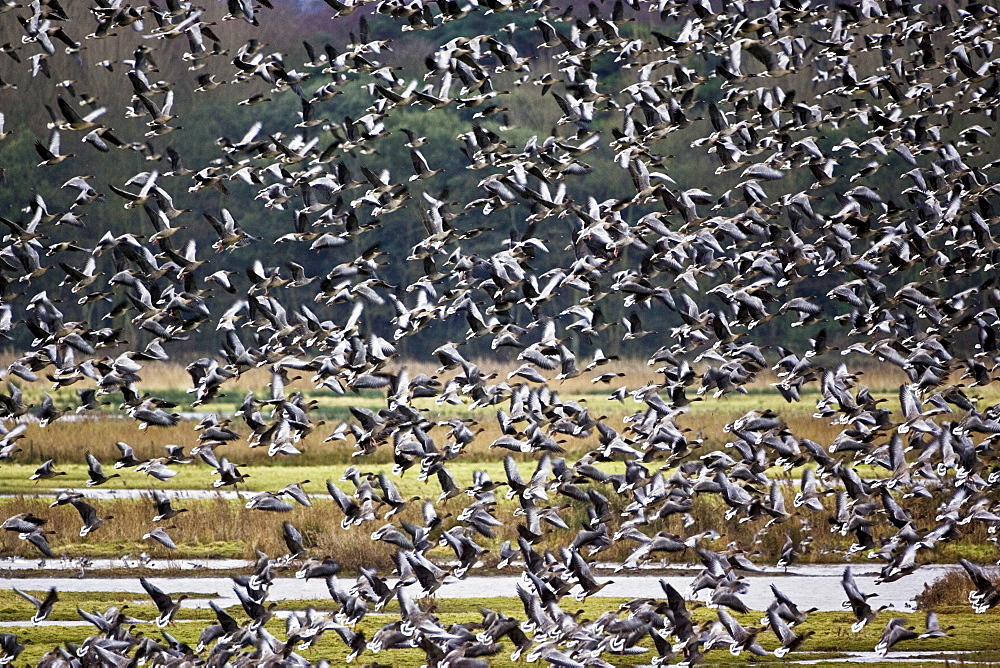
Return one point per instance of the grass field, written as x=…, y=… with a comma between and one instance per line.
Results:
x=64, y=440
x=219, y=527
x=706, y=415
x=831, y=637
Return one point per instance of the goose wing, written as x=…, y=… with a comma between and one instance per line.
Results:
x=161, y=600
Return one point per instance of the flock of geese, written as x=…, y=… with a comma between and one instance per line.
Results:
x=857, y=204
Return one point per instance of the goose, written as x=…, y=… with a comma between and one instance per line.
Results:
x=987, y=594
x=49, y=153
x=786, y=609
x=293, y=541
x=790, y=641
x=269, y=501
x=10, y=648
x=43, y=608
x=160, y=535
x=85, y=192
x=934, y=629
x=319, y=568
x=37, y=538
x=295, y=491
x=157, y=468
x=258, y=613
x=88, y=514
x=96, y=473
x=73, y=121
x=47, y=412
x=46, y=471
x=742, y=638
x=64, y=497
x=857, y=602
x=895, y=631
x=166, y=606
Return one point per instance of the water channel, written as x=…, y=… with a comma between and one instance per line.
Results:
x=810, y=585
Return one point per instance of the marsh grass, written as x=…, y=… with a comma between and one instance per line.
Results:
x=221, y=528
x=67, y=441
x=211, y=528
x=832, y=638
x=705, y=419
x=157, y=376
x=951, y=591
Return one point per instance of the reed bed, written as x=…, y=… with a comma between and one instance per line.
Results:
x=219, y=527
x=635, y=373
x=210, y=528
x=66, y=441
x=951, y=591
x=172, y=378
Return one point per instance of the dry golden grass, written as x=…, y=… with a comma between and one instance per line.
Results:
x=154, y=375
x=225, y=528
x=210, y=528
x=66, y=441
x=636, y=372
x=950, y=591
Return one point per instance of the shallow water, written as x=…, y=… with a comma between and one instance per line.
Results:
x=18, y=564
x=101, y=493
x=811, y=586
x=922, y=658
x=896, y=657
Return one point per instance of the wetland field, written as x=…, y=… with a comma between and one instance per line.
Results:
x=217, y=536
x=472, y=333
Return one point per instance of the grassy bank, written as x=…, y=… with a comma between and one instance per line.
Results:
x=830, y=639
x=218, y=528
x=65, y=441
x=705, y=416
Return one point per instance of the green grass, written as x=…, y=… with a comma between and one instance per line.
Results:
x=220, y=528
x=832, y=636
x=198, y=476
x=15, y=608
